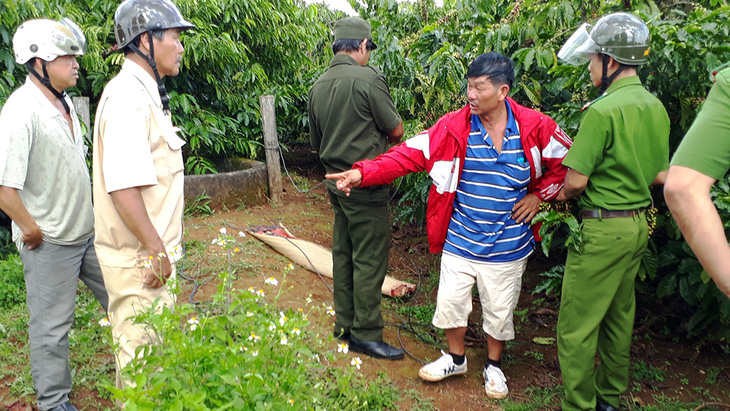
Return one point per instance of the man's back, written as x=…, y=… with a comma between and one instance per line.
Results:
x=622, y=145
x=350, y=113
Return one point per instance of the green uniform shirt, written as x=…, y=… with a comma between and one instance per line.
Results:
x=622, y=143
x=350, y=114
x=706, y=147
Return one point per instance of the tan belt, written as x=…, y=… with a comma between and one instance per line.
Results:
x=609, y=213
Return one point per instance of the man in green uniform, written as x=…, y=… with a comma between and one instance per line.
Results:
x=702, y=158
x=620, y=150
x=351, y=118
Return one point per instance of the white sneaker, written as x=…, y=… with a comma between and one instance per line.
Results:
x=494, y=383
x=441, y=368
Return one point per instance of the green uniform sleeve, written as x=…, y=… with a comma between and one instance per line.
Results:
x=589, y=144
x=706, y=147
x=385, y=115
x=315, y=137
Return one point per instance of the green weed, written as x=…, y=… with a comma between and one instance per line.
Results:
x=12, y=286
x=553, y=281
x=90, y=358
x=198, y=206
x=644, y=371
x=534, y=398
x=536, y=355
x=712, y=374
x=242, y=351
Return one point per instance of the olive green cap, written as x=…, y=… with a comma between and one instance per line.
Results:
x=352, y=28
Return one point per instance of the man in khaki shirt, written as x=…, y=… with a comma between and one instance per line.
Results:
x=138, y=172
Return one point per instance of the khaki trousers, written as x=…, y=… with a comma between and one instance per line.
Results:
x=129, y=297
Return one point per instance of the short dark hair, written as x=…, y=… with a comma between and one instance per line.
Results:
x=350, y=45
x=159, y=34
x=498, y=68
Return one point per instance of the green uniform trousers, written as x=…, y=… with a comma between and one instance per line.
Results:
x=597, y=311
x=360, y=248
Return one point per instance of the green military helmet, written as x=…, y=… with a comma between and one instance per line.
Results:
x=622, y=36
x=134, y=17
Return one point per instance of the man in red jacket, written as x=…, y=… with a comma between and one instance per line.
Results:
x=492, y=163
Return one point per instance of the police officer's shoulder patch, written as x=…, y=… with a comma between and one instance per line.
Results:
x=590, y=103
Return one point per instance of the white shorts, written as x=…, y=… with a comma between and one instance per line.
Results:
x=499, y=289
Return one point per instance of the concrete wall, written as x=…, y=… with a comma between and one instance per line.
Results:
x=246, y=183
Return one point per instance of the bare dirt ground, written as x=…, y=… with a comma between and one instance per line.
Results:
x=530, y=362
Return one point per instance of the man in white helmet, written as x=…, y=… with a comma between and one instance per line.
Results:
x=45, y=189
x=621, y=149
x=138, y=172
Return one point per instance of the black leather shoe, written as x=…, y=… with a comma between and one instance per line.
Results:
x=375, y=349
x=602, y=406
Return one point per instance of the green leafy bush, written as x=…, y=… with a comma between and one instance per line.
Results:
x=237, y=52
x=243, y=351
x=12, y=287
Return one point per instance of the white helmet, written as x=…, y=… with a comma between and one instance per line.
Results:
x=47, y=39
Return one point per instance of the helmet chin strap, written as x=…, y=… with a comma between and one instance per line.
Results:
x=153, y=64
x=605, y=79
x=47, y=82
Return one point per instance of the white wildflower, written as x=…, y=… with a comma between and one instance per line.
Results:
x=193, y=323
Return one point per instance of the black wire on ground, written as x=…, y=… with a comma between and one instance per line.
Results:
x=283, y=163
x=286, y=171
x=181, y=274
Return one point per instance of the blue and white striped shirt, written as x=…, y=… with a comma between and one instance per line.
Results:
x=481, y=227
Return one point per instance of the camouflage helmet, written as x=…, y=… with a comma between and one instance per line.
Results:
x=47, y=39
x=622, y=36
x=134, y=17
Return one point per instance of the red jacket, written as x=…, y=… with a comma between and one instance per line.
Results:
x=441, y=150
